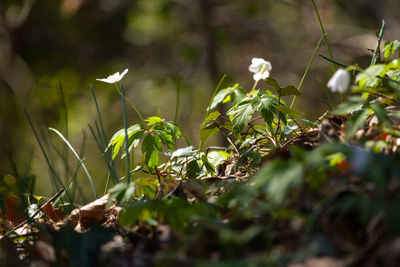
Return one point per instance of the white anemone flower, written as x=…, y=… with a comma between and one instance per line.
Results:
x=116, y=77
x=340, y=81
x=261, y=68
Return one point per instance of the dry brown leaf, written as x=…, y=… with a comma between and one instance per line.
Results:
x=90, y=214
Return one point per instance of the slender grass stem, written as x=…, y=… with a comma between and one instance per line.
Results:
x=52, y=170
x=378, y=44
x=103, y=136
x=99, y=114
x=323, y=32
x=308, y=67
x=104, y=154
x=178, y=99
x=128, y=175
x=78, y=158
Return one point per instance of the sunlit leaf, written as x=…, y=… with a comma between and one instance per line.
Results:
x=242, y=114
x=153, y=120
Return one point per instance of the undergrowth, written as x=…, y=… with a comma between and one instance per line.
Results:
x=285, y=190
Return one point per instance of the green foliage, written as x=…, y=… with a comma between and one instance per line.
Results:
x=283, y=91
x=390, y=48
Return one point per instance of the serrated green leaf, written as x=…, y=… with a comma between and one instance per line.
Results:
x=118, y=139
x=265, y=105
x=153, y=120
x=368, y=77
x=242, y=114
x=148, y=145
x=390, y=48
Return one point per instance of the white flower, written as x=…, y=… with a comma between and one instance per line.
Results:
x=116, y=77
x=261, y=68
x=340, y=81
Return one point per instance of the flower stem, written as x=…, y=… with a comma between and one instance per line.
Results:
x=324, y=33
x=132, y=105
x=308, y=67
x=122, y=92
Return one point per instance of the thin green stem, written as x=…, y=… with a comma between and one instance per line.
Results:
x=103, y=139
x=52, y=171
x=254, y=85
x=128, y=175
x=178, y=99
x=323, y=32
x=308, y=67
x=78, y=158
x=378, y=44
x=132, y=105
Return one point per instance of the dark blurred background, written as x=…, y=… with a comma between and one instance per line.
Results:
x=163, y=43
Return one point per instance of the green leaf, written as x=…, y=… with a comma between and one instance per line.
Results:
x=356, y=122
x=290, y=90
x=242, y=114
x=265, y=105
x=382, y=114
x=273, y=83
x=207, y=132
x=209, y=167
x=285, y=91
x=153, y=120
x=353, y=104
x=237, y=95
x=164, y=137
x=184, y=152
x=390, y=48
x=220, y=96
x=368, y=77
x=117, y=141
x=277, y=178
x=193, y=169
x=211, y=117
x=149, y=149
x=289, y=111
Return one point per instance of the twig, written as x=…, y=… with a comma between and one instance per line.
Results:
x=37, y=212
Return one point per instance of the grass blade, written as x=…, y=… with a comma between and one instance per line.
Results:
x=79, y=159
x=105, y=155
x=52, y=171
x=308, y=67
x=103, y=137
x=333, y=61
